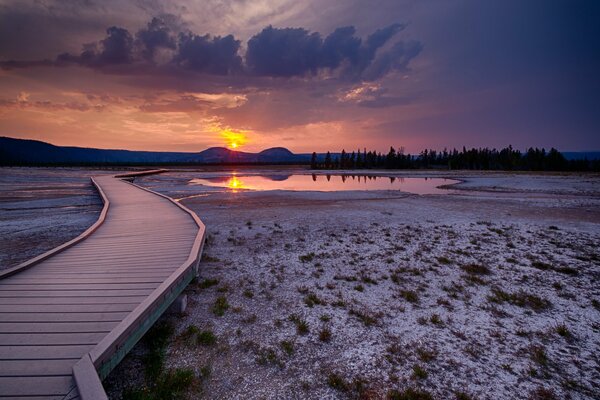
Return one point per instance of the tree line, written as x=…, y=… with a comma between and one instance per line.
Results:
x=507, y=159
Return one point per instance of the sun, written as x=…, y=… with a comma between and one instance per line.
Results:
x=234, y=138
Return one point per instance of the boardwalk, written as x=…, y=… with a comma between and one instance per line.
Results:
x=91, y=302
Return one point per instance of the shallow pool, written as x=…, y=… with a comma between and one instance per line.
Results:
x=325, y=183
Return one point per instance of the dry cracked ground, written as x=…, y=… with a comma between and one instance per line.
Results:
x=381, y=295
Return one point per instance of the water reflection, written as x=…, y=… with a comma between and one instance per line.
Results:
x=326, y=183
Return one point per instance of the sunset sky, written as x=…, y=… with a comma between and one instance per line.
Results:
x=307, y=75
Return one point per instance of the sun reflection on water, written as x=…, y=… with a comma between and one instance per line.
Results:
x=235, y=183
x=326, y=183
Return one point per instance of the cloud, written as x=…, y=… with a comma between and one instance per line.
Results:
x=192, y=102
x=213, y=55
x=395, y=59
x=157, y=35
x=290, y=52
x=284, y=52
x=161, y=48
x=116, y=48
x=372, y=95
x=24, y=102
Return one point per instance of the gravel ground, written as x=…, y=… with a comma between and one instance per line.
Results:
x=487, y=294
x=42, y=208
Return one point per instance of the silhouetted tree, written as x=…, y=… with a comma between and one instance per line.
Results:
x=480, y=159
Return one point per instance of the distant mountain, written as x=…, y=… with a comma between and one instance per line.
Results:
x=580, y=155
x=22, y=151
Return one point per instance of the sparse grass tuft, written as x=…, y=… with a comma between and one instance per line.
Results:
x=221, y=305
x=302, y=327
x=520, y=299
x=287, y=346
x=205, y=284
x=409, y=394
x=206, y=338
x=307, y=257
x=419, y=372
x=172, y=384
x=435, y=319
x=444, y=260
x=476, y=269
x=325, y=334
x=563, y=331
x=311, y=299
x=426, y=355
x=409, y=295
x=156, y=340
x=542, y=393
x=336, y=382
x=458, y=395
x=368, y=319
x=539, y=356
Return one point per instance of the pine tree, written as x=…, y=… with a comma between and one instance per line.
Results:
x=313, y=161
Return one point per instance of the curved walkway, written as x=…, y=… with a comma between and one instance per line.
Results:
x=69, y=316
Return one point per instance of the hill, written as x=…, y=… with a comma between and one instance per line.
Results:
x=27, y=152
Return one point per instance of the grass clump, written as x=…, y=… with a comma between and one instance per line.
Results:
x=444, y=260
x=312, y=299
x=541, y=265
x=325, y=335
x=302, y=327
x=307, y=257
x=476, y=269
x=206, y=338
x=287, y=346
x=426, y=355
x=359, y=288
x=436, y=319
x=368, y=319
x=337, y=382
x=419, y=372
x=172, y=384
x=539, y=356
x=562, y=330
x=520, y=299
x=410, y=295
x=221, y=305
x=205, y=284
x=156, y=341
x=409, y=394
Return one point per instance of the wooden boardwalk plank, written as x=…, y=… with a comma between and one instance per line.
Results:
x=56, y=327
x=57, y=311
x=63, y=317
x=41, y=339
x=37, y=368
x=33, y=352
x=39, y=386
x=65, y=308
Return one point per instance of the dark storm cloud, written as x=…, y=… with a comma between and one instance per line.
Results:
x=213, y=55
x=297, y=52
x=273, y=52
x=116, y=48
x=155, y=36
x=284, y=52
